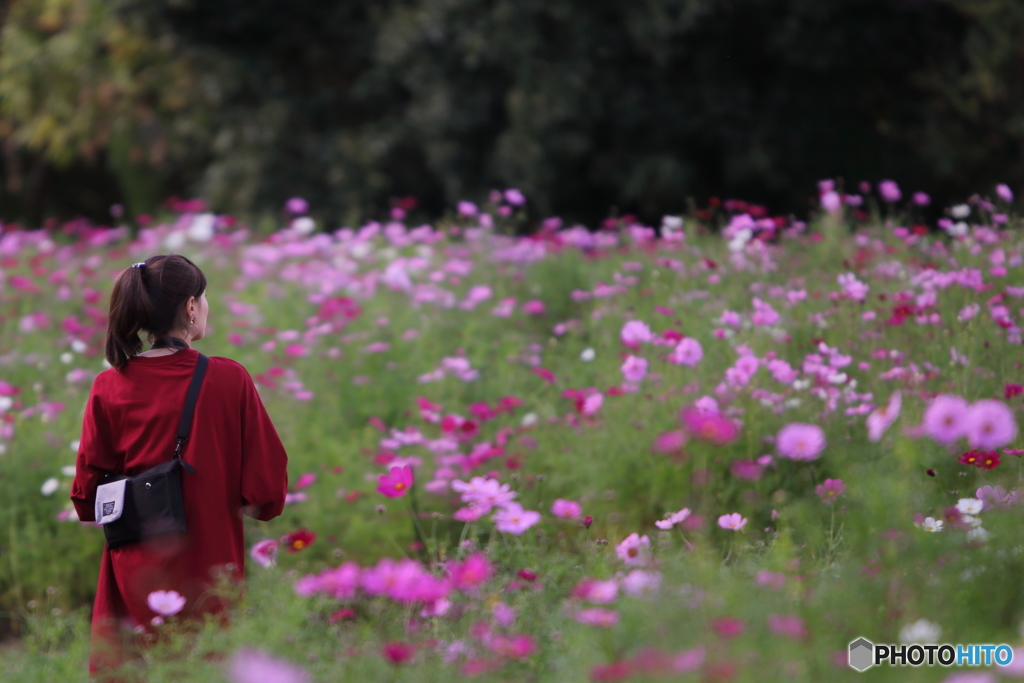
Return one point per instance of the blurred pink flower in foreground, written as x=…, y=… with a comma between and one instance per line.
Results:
x=945, y=420
x=253, y=666
x=672, y=519
x=990, y=424
x=165, y=603
x=799, y=441
x=787, y=625
x=882, y=418
x=264, y=552
x=396, y=483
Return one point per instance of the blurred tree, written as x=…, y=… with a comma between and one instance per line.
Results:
x=586, y=106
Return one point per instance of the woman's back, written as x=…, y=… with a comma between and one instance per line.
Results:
x=129, y=426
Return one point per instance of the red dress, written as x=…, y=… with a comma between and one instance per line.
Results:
x=130, y=423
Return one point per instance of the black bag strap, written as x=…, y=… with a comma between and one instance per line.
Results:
x=190, y=408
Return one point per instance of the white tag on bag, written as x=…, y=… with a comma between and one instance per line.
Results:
x=110, y=501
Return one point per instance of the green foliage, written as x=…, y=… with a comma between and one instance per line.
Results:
x=589, y=107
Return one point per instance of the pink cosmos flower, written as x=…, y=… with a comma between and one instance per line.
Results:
x=641, y=582
x=747, y=470
x=734, y=521
x=990, y=424
x=882, y=418
x=514, y=647
x=890, y=191
x=634, y=333
x=165, y=603
x=709, y=425
x=597, y=616
x=770, y=579
x=471, y=573
x=395, y=484
x=672, y=519
x=634, y=550
x=687, y=352
x=514, y=197
x=597, y=592
x=513, y=519
x=305, y=480
x=253, y=666
x=798, y=441
x=728, y=627
x=566, y=509
x=264, y=552
x=398, y=653
x=788, y=625
x=534, y=307
x=945, y=420
x=341, y=582
x=669, y=442
x=1006, y=194
x=634, y=369
x=830, y=490
x=592, y=404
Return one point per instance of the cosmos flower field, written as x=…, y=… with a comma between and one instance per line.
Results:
x=716, y=449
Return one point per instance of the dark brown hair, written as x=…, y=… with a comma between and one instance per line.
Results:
x=151, y=298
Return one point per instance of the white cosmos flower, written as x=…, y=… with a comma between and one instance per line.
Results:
x=79, y=346
x=969, y=506
x=587, y=355
x=68, y=470
x=977, y=534
x=931, y=524
x=921, y=631
x=529, y=419
x=960, y=211
x=66, y=357
x=50, y=486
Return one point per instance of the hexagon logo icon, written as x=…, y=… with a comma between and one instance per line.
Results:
x=862, y=653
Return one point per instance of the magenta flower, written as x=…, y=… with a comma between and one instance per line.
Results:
x=165, y=603
x=534, y=307
x=709, y=425
x=945, y=420
x=1004, y=192
x=990, y=424
x=471, y=573
x=634, y=550
x=296, y=206
x=514, y=197
x=798, y=441
x=252, y=666
x=467, y=209
x=513, y=519
x=395, y=484
x=634, y=369
x=830, y=490
x=305, y=480
x=566, y=509
x=922, y=199
x=890, y=191
x=734, y=521
x=747, y=470
x=264, y=552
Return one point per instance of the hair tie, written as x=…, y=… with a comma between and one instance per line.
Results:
x=139, y=264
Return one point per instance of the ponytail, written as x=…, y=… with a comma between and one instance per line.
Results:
x=149, y=296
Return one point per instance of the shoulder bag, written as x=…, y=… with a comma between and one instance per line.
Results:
x=150, y=504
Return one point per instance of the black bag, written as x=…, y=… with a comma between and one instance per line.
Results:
x=153, y=503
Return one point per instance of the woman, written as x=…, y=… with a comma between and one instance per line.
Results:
x=129, y=426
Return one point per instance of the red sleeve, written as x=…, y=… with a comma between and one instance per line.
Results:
x=264, y=461
x=96, y=457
